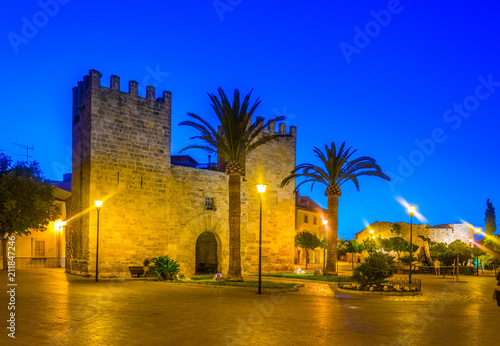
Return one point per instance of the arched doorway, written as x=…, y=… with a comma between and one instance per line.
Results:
x=206, y=254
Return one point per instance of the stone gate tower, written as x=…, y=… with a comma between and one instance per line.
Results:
x=121, y=154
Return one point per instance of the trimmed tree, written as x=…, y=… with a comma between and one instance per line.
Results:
x=338, y=167
x=307, y=241
x=27, y=201
x=353, y=246
x=442, y=252
x=236, y=138
x=370, y=245
x=463, y=250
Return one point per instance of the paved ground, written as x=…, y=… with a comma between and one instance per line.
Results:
x=53, y=308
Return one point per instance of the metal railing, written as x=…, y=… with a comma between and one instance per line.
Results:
x=210, y=166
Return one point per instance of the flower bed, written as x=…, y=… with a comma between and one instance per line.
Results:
x=397, y=287
x=378, y=288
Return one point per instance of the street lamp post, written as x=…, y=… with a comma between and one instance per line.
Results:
x=325, y=222
x=98, y=205
x=411, y=210
x=58, y=226
x=477, y=230
x=261, y=189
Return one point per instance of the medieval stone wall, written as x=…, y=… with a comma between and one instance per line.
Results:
x=121, y=154
x=270, y=164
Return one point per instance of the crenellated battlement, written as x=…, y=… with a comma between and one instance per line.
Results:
x=93, y=81
x=271, y=128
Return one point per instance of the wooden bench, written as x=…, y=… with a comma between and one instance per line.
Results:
x=136, y=270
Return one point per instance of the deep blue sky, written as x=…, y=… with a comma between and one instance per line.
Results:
x=395, y=90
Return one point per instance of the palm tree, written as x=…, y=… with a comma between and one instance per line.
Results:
x=338, y=167
x=234, y=140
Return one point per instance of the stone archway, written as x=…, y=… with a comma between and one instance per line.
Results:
x=212, y=224
x=206, y=261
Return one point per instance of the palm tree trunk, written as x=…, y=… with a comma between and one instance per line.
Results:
x=307, y=257
x=234, y=270
x=333, y=221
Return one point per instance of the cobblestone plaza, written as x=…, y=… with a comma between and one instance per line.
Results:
x=55, y=308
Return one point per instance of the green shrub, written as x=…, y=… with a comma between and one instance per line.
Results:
x=467, y=270
x=374, y=270
x=164, y=267
x=405, y=259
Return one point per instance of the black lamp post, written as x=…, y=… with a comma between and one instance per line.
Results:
x=59, y=226
x=411, y=210
x=98, y=205
x=325, y=222
x=260, y=189
x=477, y=231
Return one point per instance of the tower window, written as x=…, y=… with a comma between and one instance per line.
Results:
x=209, y=203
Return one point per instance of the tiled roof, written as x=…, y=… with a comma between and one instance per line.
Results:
x=307, y=203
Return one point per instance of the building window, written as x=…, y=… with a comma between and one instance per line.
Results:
x=306, y=219
x=315, y=220
x=209, y=203
x=39, y=248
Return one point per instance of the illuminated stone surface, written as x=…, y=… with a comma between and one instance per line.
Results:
x=121, y=154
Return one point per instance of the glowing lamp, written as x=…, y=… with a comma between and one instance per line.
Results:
x=471, y=240
x=58, y=225
x=411, y=209
x=98, y=204
x=371, y=231
x=373, y=237
x=325, y=222
x=261, y=188
x=477, y=230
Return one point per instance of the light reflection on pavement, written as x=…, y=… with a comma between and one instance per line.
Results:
x=54, y=308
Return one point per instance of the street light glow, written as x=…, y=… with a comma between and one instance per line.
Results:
x=477, y=230
x=411, y=209
x=98, y=204
x=58, y=225
x=371, y=231
x=261, y=188
x=325, y=222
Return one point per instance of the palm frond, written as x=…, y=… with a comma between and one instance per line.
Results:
x=338, y=167
x=239, y=136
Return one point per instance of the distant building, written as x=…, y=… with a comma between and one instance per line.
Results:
x=309, y=217
x=46, y=249
x=446, y=233
x=183, y=160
